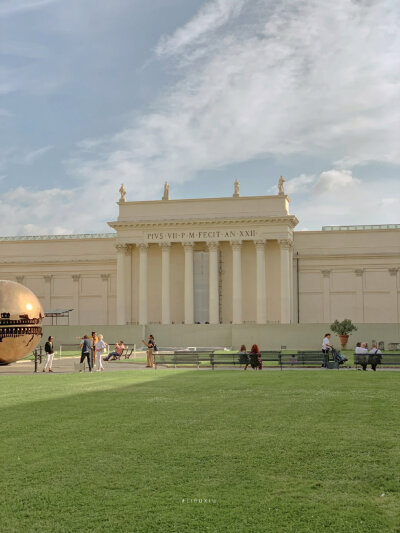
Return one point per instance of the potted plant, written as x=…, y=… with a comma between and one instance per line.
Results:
x=343, y=329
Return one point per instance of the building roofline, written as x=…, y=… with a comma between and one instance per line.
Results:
x=78, y=236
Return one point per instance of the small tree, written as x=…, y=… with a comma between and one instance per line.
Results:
x=344, y=327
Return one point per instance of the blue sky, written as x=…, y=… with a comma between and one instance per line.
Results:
x=95, y=93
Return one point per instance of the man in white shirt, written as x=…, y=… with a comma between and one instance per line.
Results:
x=361, y=354
x=375, y=357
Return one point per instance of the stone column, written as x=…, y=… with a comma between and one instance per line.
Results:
x=326, y=295
x=47, y=292
x=75, y=298
x=121, y=300
x=128, y=283
x=143, y=283
x=286, y=312
x=189, y=288
x=236, y=282
x=292, y=319
x=213, y=283
x=165, y=282
x=104, y=296
x=261, y=296
x=394, y=294
x=359, y=272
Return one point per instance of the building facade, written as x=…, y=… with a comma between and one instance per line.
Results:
x=232, y=260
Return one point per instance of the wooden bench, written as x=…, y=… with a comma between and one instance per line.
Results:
x=272, y=356
x=388, y=359
x=181, y=358
x=231, y=359
x=312, y=358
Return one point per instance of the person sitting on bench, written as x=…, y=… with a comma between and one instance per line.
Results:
x=119, y=348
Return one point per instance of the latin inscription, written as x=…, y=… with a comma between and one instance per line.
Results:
x=201, y=235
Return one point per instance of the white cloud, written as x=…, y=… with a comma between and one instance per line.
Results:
x=315, y=78
x=299, y=184
x=309, y=78
x=335, y=180
x=11, y=7
x=347, y=201
x=210, y=17
x=33, y=155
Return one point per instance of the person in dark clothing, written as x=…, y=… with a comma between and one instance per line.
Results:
x=374, y=357
x=86, y=349
x=361, y=355
x=255, y=358
x=151, y=348
x=244, y=357
x=48, y=348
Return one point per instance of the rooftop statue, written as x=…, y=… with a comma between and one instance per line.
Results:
x=280, y=186
x=166, y=191
x=122, y=192
x=236, y=190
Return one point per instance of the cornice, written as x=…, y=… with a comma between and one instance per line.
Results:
x=275, y=198
x=347, y=255
x=57, y=261
x=290, y=220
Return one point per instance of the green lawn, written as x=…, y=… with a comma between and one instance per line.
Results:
x=135, y=451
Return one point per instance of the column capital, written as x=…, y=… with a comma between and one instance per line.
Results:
x=48, y=278
x=143, y=246
x=76, y=277
x=19, y=279
x=105, y=277
x=259, y=243
x=236, y=245
x=393, y=271
x=164, y=245
x=188, y=245
x=326, y=273
x=120, y=247
x=359, y=272
x=285, y=243
x=212, y=245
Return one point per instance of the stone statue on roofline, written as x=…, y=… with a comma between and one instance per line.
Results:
x=280, y=186
x=236, y=190
x=166, y=191
x=122, y=192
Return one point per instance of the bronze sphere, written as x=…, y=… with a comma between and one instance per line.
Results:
x=21, y=316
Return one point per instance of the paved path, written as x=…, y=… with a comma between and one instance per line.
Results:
x=63, y=365
x=66, y=365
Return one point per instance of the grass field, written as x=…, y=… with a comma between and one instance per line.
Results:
x=136, y=451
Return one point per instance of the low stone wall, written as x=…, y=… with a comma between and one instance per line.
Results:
x=268, y=337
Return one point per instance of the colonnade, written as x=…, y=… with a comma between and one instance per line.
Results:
x=124, y=266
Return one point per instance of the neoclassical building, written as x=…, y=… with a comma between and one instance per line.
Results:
x=212, y=260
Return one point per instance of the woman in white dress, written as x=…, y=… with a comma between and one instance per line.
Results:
x=100, y=347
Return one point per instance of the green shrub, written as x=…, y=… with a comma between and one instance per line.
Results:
x=343, y=328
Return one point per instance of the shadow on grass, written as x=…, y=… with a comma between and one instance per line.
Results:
x=133, y=452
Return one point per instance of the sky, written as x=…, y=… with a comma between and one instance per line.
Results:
x=198, y=93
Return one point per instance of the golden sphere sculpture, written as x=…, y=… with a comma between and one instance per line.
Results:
x=21, y=316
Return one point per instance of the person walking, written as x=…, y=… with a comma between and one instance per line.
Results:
x=244, y=357
x=100, y=346
x=93, y=348
x=86, y=351
x=151, y=348
x=255, y=358
x=326, y=346
x=374, y=357
x=48, y=348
